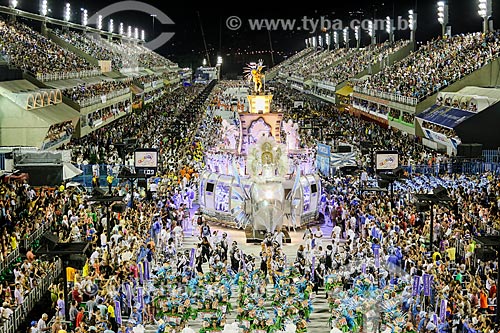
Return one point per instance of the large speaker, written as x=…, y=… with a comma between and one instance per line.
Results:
x=51, y=238
x=485, y=254
x=118, y=208
x=440, y=191
x=422, y=207
x=470, y=150
x=344, y=149
x=476, y=150
x=98, y=192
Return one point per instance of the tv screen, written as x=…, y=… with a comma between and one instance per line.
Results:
x=210, y=187
x=314, y=188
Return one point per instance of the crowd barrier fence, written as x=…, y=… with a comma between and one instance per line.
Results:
x=34, y=236
x=12, y=324
x=11, y=257
x=66, y=76
x=387, y=96
x=100, y=99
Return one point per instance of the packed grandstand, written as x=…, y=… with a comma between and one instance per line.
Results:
x=379, y=256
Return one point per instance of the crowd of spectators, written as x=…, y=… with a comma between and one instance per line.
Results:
x=88, y=46
x=59, y=131
x=464, y=105
x=85, y=92
x=449, y=132
x=359, y=61
x=30, y=51
x=436, y=65
x=339, y=65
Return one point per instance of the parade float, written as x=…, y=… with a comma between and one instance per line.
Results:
x=258, y=177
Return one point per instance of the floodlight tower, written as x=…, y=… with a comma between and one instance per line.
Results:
x=442, y=12
x=412, y=19
x=484, y=10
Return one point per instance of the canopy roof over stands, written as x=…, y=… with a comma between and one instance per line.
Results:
x=445, y=115
x=29, y=128
x=344, y=91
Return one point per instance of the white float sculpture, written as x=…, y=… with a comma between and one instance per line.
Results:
x=264, y=183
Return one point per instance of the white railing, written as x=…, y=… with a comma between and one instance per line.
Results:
x=37, y=234
x=10, y=258
x=387, y=96
x=99, y=99
x=34, y=296
x=66, y=76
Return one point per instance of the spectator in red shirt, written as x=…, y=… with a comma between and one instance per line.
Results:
x=79, y=317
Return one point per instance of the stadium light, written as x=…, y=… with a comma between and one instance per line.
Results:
x=136, y=33
x=121, y=29
x=412, y=19
x=67, y=12
x=357, y=35
x=314, y=41
x=219, y=60
x=389, y=28
x=99, y=22
x=306, y=41
x=327, y=39
x=13, y=3
x=129, y=32
x=111, y=26
x=204, y=62
x=484, y=10
x=346, y=36
x=143, y=35
x=85, y=17
x=320, y=41
x=371, y=32
x=44, y=8
x=336, y=39
x=442, y=13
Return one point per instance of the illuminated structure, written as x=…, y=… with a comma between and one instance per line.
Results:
x=254, y=180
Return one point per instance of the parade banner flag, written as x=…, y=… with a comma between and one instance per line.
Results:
x=242, y=258
x=442, y=310
x=146, y=270
x=376, y=254
x=313, y=264
x=118, y=312
x=427, y=284
x=363, y=268
x=416, y=285
x=140, y=298
x=141, y=272
x=191, y=257
x=128, y=293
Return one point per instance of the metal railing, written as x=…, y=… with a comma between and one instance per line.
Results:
x=34, y=236
x=66, y=76
x=11, y=257
x=466, y=168
x=98, y=99
x=387, y=96
x=12, y=324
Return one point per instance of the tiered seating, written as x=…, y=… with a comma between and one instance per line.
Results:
x=436, y=65
x=90, y=47
x=32, y=52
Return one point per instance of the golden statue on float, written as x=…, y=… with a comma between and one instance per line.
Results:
x=253, y=73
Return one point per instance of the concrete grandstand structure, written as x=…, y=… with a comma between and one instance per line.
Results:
x=114, y=73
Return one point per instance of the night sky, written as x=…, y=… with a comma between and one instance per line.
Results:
x=244, y=45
